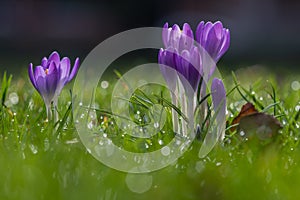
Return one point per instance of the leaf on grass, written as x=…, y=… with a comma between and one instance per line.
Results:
x=251, y=123
x=247, y=109
x=263, y=125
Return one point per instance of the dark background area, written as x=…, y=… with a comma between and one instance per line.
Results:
x=262, y=31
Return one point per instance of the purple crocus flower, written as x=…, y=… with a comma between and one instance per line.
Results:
x=181, y=54
x=218, y=94
x=214, y=38
x=51, y=76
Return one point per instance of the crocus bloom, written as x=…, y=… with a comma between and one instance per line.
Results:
x=213, y=38
x=51, y=76
x=181, y=54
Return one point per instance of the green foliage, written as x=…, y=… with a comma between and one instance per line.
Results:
x=41, y=159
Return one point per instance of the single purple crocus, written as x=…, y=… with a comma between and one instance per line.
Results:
x=51, y=76
x=181, y=54
x=214, y=39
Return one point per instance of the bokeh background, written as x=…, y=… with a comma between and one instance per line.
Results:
x=262, y=31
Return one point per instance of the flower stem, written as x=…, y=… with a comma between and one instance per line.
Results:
x=49, y=112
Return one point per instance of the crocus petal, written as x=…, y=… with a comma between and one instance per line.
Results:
x=39, y=72
x=44, y=63
x=74, y=70
x=186, y=39
x=225, y=43
x=64, y=69
x=31, y=75
x=206, y=29
x=169, y=75
x=214, y=40
x=55, y=58
x=219, y=99
x=166, y=35
x=175, y=36
x=199, y=32
x=52, y=79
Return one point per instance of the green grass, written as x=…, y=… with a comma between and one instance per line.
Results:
x=43, y=160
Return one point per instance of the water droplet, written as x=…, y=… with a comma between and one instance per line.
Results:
x=218, y=164
x=242, y=133
x=297, y=108
x=156, y=125
x=88, y=150
x=14, y=98
x=160, y=142
x=200, y=166
x=80, y=104
x=104, y=84
x=105, y=135
x=46, y=144
x=33, y=149
x=90, y=125
x=165, y=151
x=73, y=141
x=139, y=183
x=30, y=104
x=295, y=85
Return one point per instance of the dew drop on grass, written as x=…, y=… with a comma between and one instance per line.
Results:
x=200, y=166
x=33, y=149
x=90, y=125
x=30, y=105
x=14, y=98
x=156, y=125
x=88, y=150
x=295, y=85
x=46, y=144
x=139, y=183
x=104, y=84
x=297, y=108
x=165, y=151
x=218, y=164
x=242, y=133
x=160, y=142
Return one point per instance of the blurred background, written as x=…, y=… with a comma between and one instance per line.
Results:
x=262, y=31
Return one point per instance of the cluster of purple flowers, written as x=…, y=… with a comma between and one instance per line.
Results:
x=189, y=55
x=194, y=58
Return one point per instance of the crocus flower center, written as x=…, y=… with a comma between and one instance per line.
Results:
x=46, y=71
